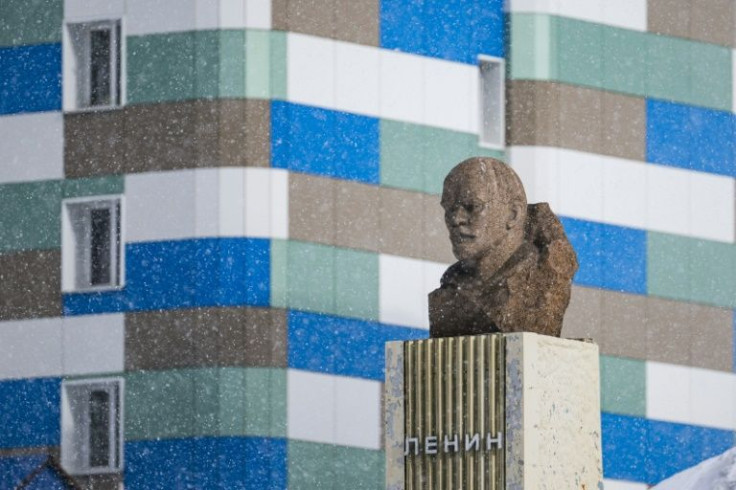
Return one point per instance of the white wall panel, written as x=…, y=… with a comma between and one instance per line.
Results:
x=628, y=193
x=279, y=203
x=210, y=202
x=382, y=83
x=356, y=78
x=581, y=186
x=625, y=192
x=59, y=346
x=32, y=147
x=668, y=392
x=86, y=10
x=30, y=348
x=401, y=87
x=692, y=396
x=231, y=202
x=733, y=77
x=709, y=194
x=310, y=73
x=401, y=291
x=447, y=95
x=257, y=13
x=160, y=16
x=404, y=284
x=94, y=344
x=160, y=205
x=627, y=14
x=358, y=412
x=333, y=409
x=207, y=185
x=623, y=485
x=310, y=402
x=539, y=171
x=668, y=200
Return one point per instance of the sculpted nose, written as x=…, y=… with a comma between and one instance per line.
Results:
x=457, y=216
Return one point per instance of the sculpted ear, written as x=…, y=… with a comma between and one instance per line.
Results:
x=516, y=215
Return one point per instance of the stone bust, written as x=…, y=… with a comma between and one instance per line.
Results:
x=515, y=263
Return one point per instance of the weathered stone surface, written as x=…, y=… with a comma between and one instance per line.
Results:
x=515, y=263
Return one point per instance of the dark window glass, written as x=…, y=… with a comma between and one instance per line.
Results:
x=100, y=247
x=99, y=76
x=99, y=426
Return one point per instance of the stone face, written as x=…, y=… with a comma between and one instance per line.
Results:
x=515, y=266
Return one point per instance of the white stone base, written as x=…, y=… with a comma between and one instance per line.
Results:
x=553, y=416
x=552, y=409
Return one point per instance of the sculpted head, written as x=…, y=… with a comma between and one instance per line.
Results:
x=485, y=210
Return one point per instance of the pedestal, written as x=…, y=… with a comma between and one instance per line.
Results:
x=501, y=411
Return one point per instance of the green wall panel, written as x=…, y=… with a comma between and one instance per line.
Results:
x=31, y=211
x=356, y=284
x=561, y=49
x=328, y=467
x=30, y=22
x=327, y=279
x=623, y=386
x=418, y=158
x=206, y=64
x=205, y=402
x=279, y=273
x=687, y=269
x=31, y=215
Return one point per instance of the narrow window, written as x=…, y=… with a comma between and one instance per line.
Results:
x=91, y=428
x=99, y=429
x=492, y=114
x=94, y=73
x=92, y=245
x=100, y=67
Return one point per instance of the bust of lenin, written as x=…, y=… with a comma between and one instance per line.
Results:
x=515, y=265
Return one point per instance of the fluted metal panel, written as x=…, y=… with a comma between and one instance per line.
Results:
x=452, y=389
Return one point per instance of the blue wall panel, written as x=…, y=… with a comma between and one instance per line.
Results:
x=691, y=137
x=30, y=78
x=610, y=257
x=185, y=273
x=456, y=30
x=324, y=142
x=207, y=462
x=343, y=346
x=649, y=451
x=29, y=412
x=14, y=469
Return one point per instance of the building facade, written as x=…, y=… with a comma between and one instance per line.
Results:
x=215, y=213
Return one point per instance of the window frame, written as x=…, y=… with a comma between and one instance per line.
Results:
x=77, y=63
x=76, y=252
x=75, y=444
x=499, y=102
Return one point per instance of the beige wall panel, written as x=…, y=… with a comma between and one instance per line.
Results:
x=356, y=217
x=669, y=17
x=560, y=115
x=580, y=118
x=356, y=21
x=669, y=331
x=436, y=239
x=312, y=208
x=30, y=284
x=532, y=112
x=232, y=336
x=168, y=136
x=623, y=325
x=402, y=230
x=624, y=126
x=93, y=143
x=712, y=337
x=315, y=17
x=113, y=481
x=583, y=316
x=712, y=21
